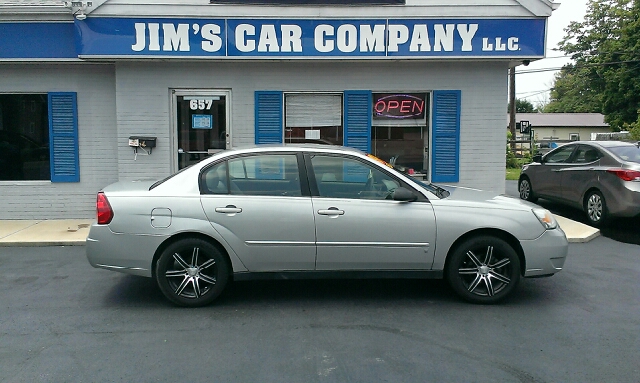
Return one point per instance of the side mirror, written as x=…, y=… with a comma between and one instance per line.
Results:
x=404, y=195
x=537, y=158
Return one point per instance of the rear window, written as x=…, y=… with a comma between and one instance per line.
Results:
x=627, y=153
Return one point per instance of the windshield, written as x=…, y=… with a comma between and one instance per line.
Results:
x=437, y=190
x=627, y=153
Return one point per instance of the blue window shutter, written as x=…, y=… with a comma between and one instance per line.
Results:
x=357, y=119
x=445, y=152
x=63, y=137
x=268, y=117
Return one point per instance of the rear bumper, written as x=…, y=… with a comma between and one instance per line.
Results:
x=546, y=254
x=625, y=202
x=125, y=253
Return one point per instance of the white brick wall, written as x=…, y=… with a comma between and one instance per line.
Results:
x=143, y=99
x=115, y=102
x=96, y=129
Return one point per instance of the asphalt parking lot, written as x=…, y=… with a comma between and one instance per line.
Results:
x=62, y=320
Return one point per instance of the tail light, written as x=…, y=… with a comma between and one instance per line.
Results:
x=103, y=209
x=625, y=174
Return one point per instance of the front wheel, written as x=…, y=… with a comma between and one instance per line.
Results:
x=192, y=272
x=525, y=190
x=484, y=270
x=596, y=208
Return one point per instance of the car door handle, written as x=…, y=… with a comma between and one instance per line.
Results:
x=229, y=209
x=331, y=211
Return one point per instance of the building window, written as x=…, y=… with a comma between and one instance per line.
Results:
x=24, y=137
x=399, y=132
x=574, y=137
x=313, y=118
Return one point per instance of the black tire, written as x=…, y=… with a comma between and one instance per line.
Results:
x=526, y=190
x=595, y=207
x=483, y=270
x=192, y=272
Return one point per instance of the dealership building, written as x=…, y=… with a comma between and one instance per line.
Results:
x=92, y=92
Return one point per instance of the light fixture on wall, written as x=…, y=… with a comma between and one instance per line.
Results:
x=80, y=15
x=79, y=8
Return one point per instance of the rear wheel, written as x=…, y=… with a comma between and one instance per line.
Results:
x=596, y=208
x=484, y=270
x=525, y=190
x=192, y=272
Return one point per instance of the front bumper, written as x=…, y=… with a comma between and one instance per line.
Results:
x=546, y=254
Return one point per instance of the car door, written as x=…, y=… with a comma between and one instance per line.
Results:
x=357, y=227
x=580, y=173
x=257, y=203
x=548, y=180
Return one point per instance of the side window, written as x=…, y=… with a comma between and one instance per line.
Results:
x=215, y=179
x=266, y=175
x=339, y=177
x=585, y=154
x=560, y=155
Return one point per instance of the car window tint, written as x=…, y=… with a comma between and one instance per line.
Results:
x=560, y=155
x=339, y=177
x=627, y=153
x=267, y=174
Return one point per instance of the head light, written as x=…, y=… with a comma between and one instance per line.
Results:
x=546, y=218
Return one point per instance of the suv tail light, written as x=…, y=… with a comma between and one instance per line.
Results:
x=103, y=209
x=625, y=174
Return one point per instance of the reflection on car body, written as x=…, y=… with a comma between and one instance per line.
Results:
x=601, y=177
x=317, y=211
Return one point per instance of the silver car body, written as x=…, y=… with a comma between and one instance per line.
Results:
x=275, y=234
x=584, y=166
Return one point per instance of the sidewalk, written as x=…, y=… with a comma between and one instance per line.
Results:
x=67, y=232
x=73, y=232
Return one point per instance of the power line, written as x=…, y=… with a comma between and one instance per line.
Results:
x=577, y=66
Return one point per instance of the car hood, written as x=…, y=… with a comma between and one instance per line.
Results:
x=469, y=196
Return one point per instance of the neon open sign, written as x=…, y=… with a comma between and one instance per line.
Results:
x=399, y=106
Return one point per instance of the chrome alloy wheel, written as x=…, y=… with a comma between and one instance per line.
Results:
x=192, y=272
x=525, y=189
x=594, y=207
x=193, y=278
x=487, y=276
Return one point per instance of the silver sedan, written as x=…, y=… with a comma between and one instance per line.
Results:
x=317, y=212
x=601, y=177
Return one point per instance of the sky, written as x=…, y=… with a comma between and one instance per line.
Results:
x=534, y=87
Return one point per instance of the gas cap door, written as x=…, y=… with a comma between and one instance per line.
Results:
x=161, y=217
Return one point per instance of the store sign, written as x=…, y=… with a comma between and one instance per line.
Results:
x=310, y=2
x=287, y=38
x=399, y=106
x=37, y=41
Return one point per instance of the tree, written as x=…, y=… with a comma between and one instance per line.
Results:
x=606, y=75
x=523, y=106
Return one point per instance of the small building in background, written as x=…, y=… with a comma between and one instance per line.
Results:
x=562, y=127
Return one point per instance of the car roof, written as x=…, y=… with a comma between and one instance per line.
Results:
x=292, y=148
x=608, y=144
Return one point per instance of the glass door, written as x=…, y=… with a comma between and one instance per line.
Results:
x=201, y=125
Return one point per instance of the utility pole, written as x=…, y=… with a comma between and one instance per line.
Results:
x=512, y=106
